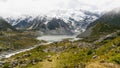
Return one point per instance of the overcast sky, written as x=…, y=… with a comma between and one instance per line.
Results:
x=18, y=7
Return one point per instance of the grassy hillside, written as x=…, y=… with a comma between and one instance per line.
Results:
x=108, y=23
x=10, y=41
x=103, y=29
x=66, y=54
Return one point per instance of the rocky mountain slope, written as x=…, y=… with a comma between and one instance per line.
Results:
x=5, y=26
x=106, y=24
x=55, y=22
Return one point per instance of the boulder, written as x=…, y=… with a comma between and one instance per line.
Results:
x=26, y=55
x=95, y=56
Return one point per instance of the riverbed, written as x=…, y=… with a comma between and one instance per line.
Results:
x=48, y=38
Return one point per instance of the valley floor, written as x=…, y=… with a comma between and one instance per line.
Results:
x=102, y=53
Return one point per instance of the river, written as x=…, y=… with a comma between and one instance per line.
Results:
x=55, y=38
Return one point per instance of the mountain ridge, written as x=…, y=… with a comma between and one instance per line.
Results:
x=77, y=21
x=107, y=23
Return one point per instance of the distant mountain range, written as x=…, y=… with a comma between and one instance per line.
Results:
x=55, y=22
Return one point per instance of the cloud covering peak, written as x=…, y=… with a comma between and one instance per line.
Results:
x=18, y=7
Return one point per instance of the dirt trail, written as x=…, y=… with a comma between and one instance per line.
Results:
x=49, y=64
x=102, y=65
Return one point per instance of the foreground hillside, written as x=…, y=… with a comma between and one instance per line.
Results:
x=65, y=54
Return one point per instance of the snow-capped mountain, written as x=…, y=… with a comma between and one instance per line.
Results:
x=55, y=22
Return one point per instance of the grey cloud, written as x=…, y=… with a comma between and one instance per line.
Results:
x=3, y=0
